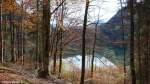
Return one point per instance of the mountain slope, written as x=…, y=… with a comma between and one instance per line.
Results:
x=110, y=36
x=115, y=33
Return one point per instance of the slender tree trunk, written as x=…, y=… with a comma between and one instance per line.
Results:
x=4, y=34
x=147, y=44
x=21, y=37
x=37, y=35
x=93, y=51
x=132, y=58
x=17, y=42
x=123, y=39
x=83, y=43
x=56, y=50
x=61, y=40
x=57, y=38
x=1, y=35
x=139, y=44
x=12, y=37
x=61, y=53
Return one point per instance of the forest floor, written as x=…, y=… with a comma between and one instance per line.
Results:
x=11, y=73
x=15, y=74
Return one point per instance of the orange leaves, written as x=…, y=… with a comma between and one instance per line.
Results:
x=19, y=11
x=9, y=5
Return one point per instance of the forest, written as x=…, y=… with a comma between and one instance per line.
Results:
x=74, y=41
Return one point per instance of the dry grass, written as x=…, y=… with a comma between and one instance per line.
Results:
x=107, y=75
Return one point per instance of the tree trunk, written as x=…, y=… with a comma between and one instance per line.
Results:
x=93, y=51
x=123, y=40
x=55, y=53
x=61, y=53
x=12, y=37
x=61, y=40
x=132, y=58
x=83, y=43
x=1, y=34
x=139, y=44
x=21, y=36
x=37, y=36
x=45, y=32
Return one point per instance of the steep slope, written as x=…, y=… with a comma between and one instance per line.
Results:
x=117, y=35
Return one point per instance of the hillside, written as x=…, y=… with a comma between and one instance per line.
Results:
x=110, y=43
x=115, y=33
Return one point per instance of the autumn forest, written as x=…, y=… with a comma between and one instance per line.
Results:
x=74, y=41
